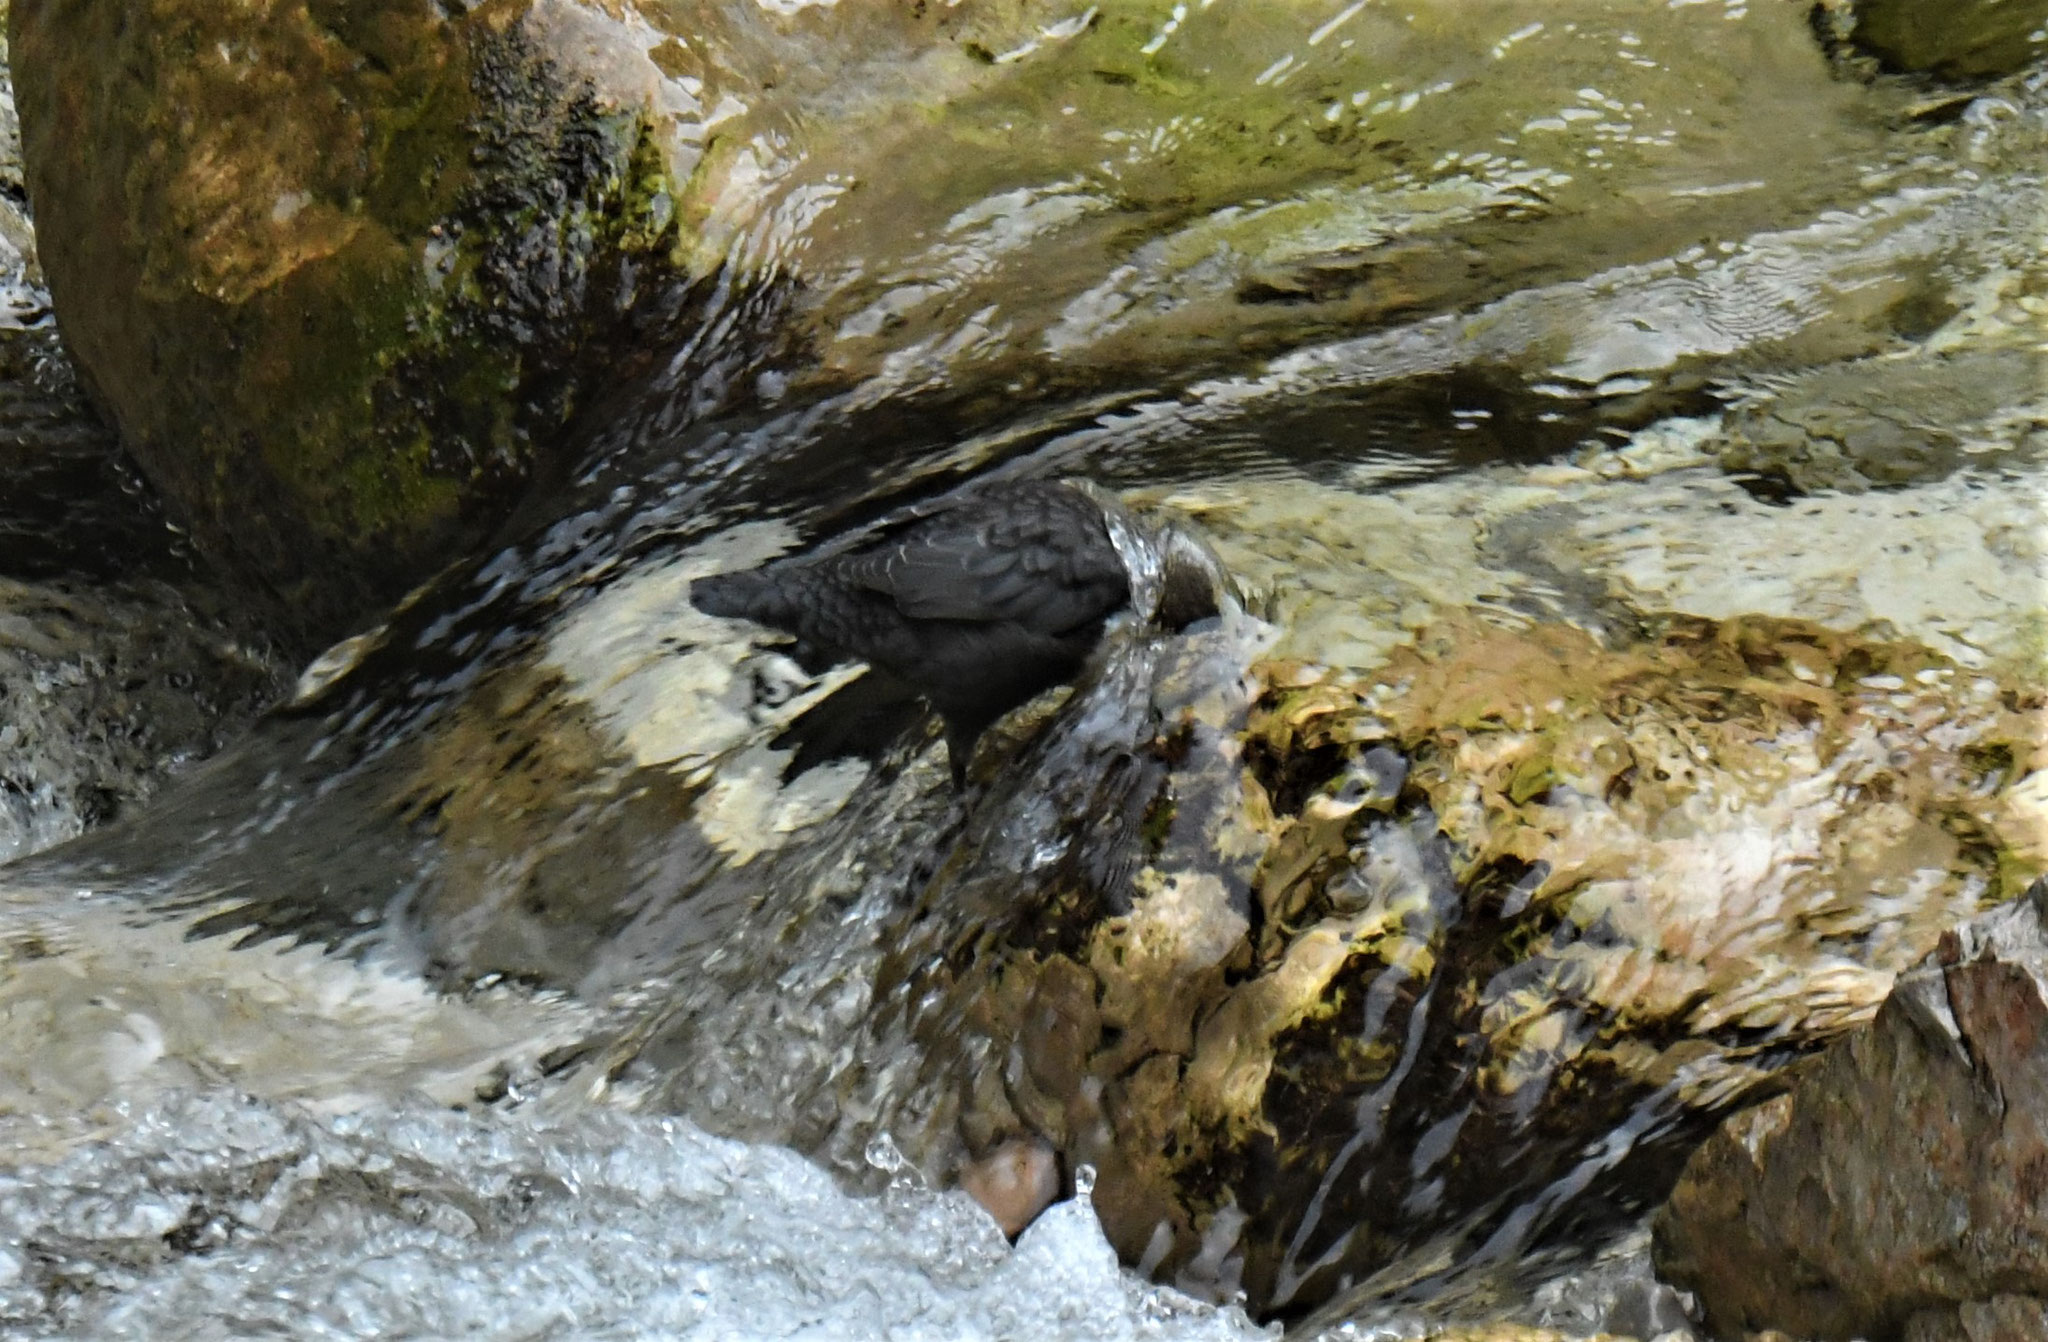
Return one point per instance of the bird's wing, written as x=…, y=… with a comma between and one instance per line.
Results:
x=1042, y=560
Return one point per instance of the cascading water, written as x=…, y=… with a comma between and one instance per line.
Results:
x=1359, y=945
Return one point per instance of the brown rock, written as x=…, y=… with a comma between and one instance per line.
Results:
x=327, y=267
x=1899, y=1189
x=1328, y=968
x=1959, y=39
x=2003, y=1318
x=1014, y=1182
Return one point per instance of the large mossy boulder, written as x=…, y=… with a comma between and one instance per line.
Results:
x=1973, y=39
x=330, y=268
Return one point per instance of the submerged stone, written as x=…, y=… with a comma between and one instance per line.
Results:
x=346, y=283
x=1957, y=39
x=1014, y=1183
x=1883, y=422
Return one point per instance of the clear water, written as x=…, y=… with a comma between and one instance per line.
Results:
x=407, y=1012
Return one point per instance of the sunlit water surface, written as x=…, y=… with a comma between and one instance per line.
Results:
x=406, y=1014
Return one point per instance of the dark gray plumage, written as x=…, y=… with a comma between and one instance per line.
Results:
x=978, y=606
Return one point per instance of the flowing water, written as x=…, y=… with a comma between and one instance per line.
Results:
x=408, y=1011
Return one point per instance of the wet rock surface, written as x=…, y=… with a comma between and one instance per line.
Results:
x=106, y=694
x=1895, y=1191
x=1969, y=40
x=1579, y=398
x=344, y=281
x=1317, y=970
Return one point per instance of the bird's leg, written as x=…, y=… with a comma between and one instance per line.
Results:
x=962, y=734
x=959, y=750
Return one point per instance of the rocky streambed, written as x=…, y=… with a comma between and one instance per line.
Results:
x=1626, y=430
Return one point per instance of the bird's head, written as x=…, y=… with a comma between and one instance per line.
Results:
x=1176, y=579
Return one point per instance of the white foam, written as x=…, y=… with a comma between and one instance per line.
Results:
x=413, y=1222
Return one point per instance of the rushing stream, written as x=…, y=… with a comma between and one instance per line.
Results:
x=1684, y=403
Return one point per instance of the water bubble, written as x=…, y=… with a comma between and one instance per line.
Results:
x=882, y=1154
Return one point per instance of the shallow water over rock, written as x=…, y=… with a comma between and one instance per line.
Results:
x=1640, y=663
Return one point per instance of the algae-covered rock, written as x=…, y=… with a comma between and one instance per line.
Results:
x=1895, y=1192
x=1334, y=978
x=328, y=268
x=1375, y=875
x=340, y=275
x=1880, y=422
x=1970, y=39
x=1250, y=892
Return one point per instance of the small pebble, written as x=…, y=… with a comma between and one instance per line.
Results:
x=1014, y=1182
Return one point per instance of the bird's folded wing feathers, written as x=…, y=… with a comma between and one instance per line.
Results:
x=987, y=567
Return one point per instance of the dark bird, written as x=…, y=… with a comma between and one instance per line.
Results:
x=977, y=607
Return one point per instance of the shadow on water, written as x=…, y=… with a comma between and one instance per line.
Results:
x=71, y=507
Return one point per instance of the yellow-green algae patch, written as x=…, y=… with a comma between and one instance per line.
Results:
x=1269, y=159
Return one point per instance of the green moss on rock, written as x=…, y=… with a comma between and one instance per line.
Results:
x=1958, y=39
x=330, y=269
